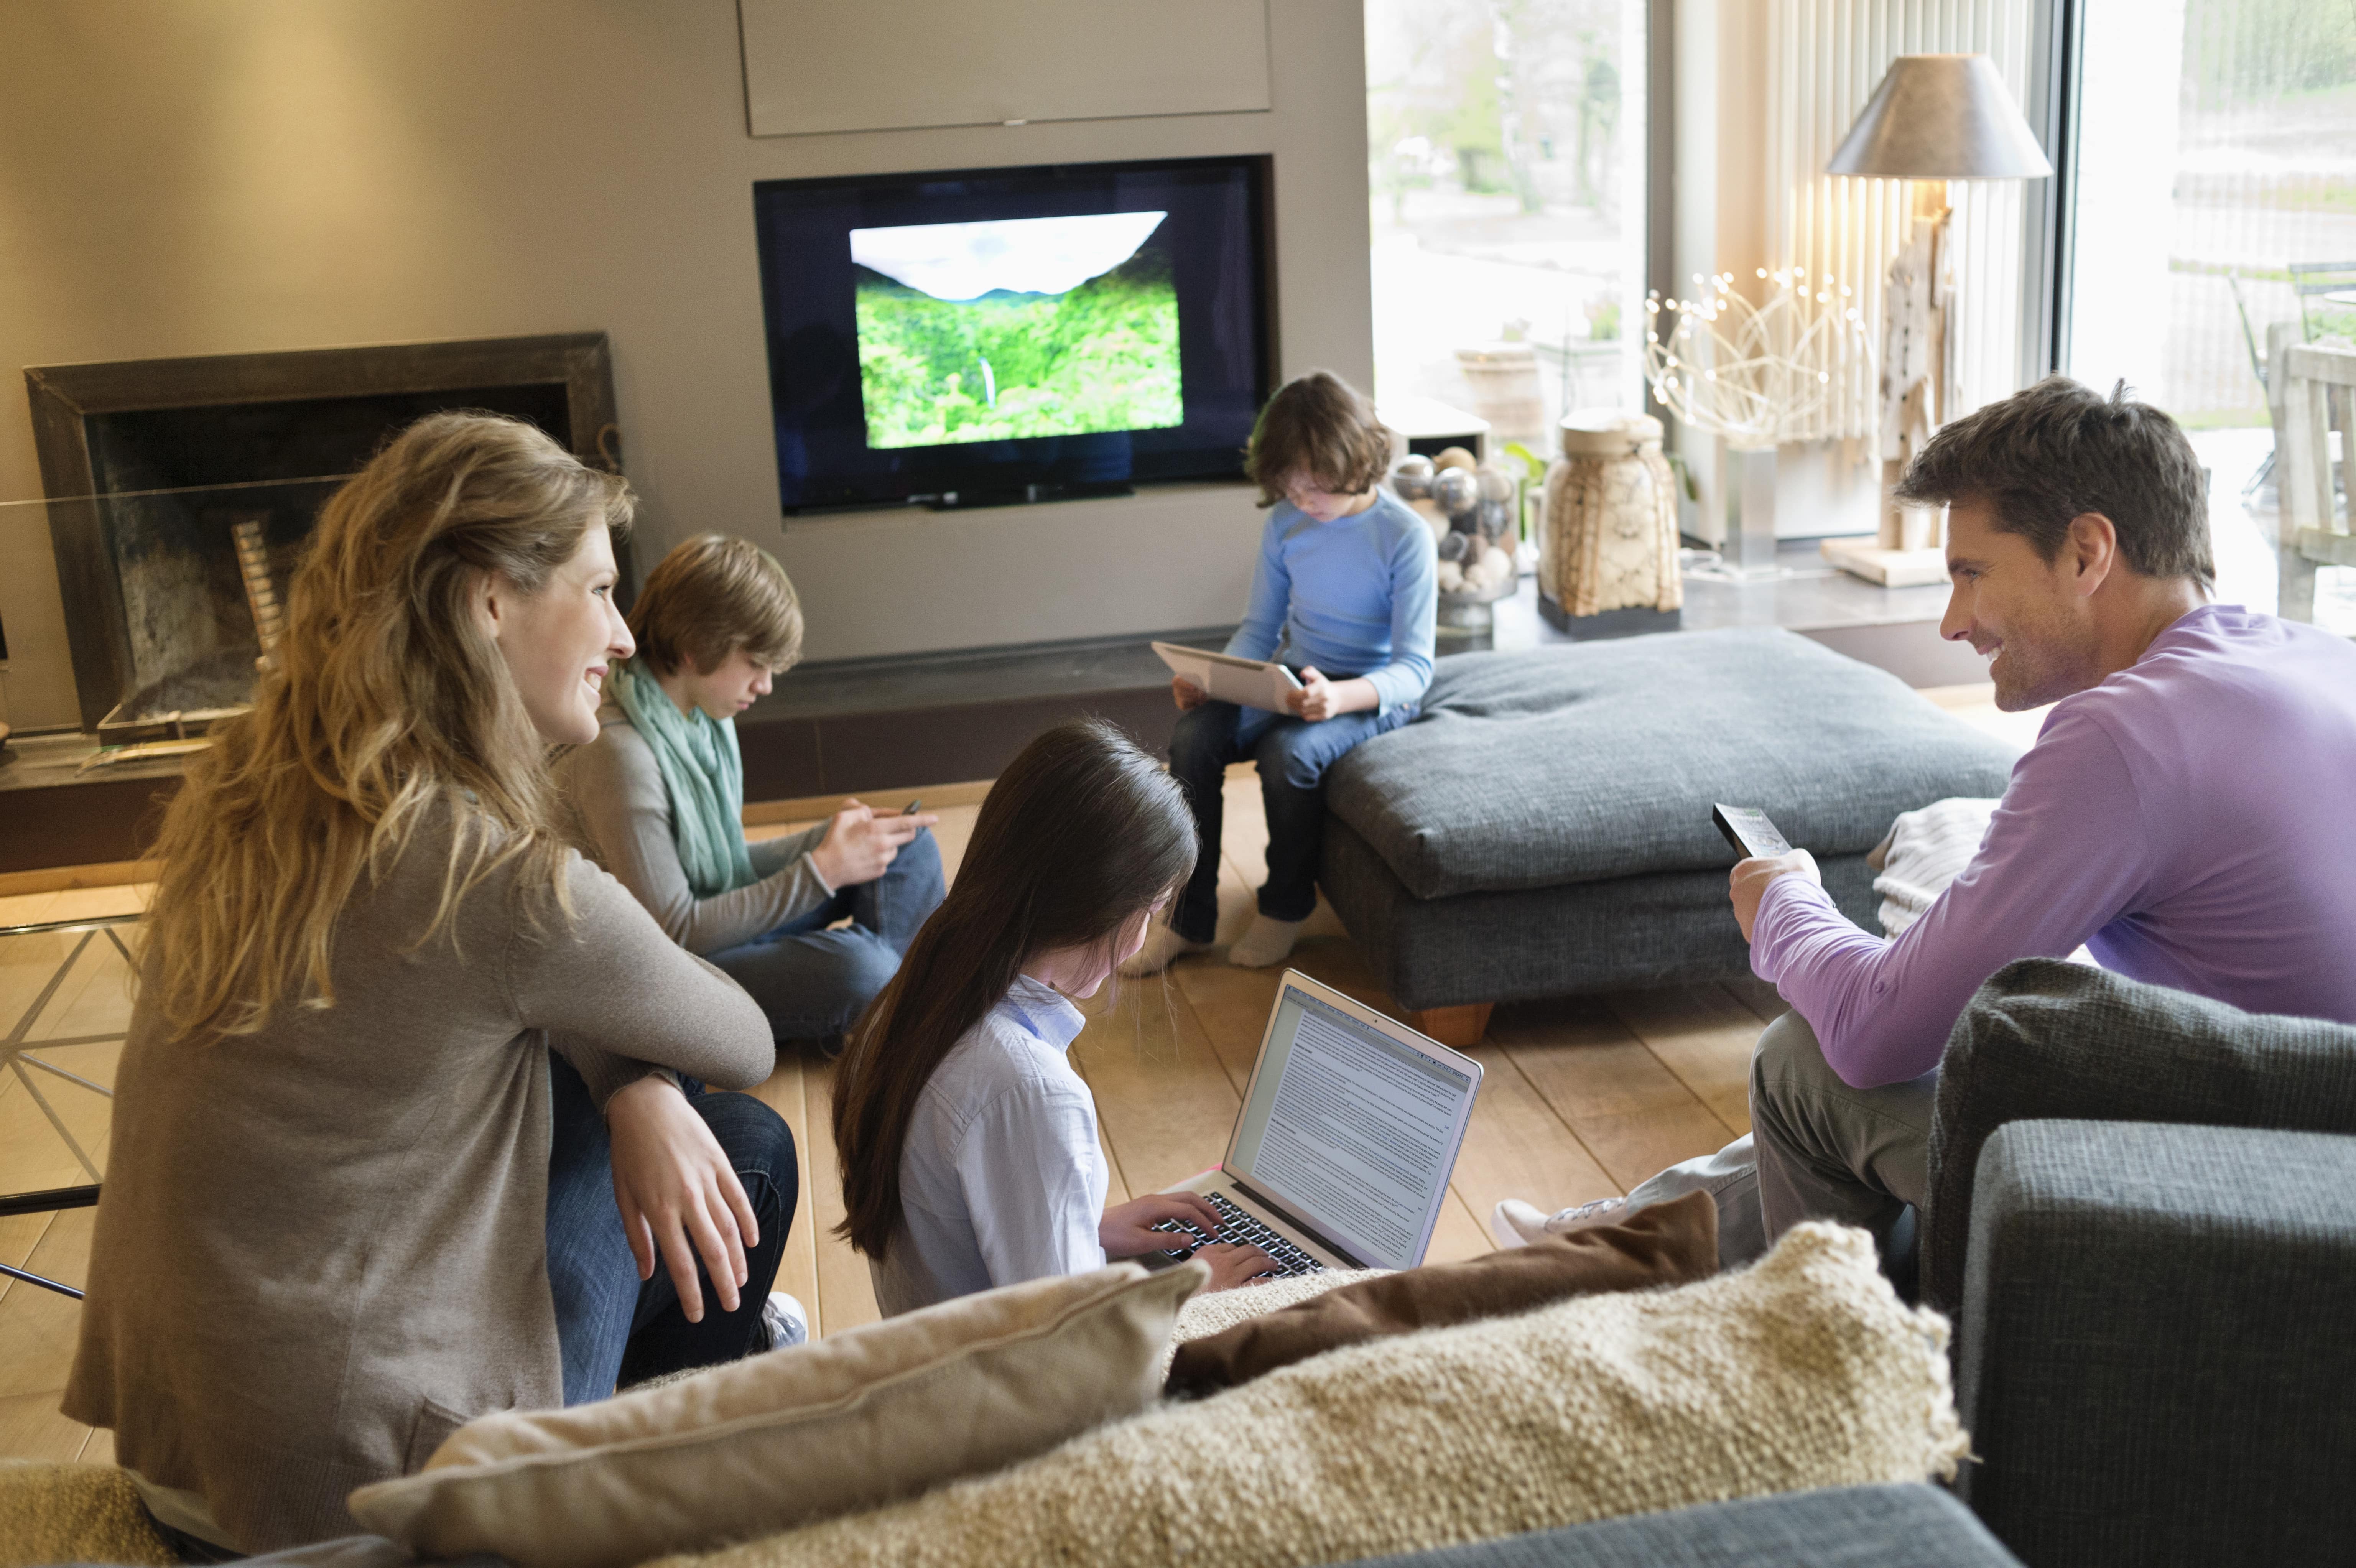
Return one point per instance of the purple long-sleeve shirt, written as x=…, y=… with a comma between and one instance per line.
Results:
x=2189, y=820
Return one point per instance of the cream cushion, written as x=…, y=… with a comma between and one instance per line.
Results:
x=847, y=1422
x=1802, y=1371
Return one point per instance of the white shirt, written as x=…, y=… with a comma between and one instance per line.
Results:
x=1001, y=1179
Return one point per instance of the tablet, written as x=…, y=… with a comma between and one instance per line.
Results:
x=1251, y=682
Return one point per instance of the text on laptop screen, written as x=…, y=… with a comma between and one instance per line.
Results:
x=1350, y=1129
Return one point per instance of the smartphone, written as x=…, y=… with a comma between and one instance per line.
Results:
x=1748, y=831
x=912, y=808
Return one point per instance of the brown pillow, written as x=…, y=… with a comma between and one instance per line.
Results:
x=1667, y=1244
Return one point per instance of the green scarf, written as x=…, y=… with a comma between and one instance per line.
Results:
x=703, y=774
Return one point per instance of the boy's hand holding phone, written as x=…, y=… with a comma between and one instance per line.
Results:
x=859, y=844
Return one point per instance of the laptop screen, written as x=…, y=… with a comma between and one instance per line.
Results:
x=1352, y=1131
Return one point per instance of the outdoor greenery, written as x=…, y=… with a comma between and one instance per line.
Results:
x=1103, y=355
x=2240, y=52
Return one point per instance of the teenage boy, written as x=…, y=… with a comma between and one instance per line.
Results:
x=2183, y=813
x=1344, y=592
x=658, y=800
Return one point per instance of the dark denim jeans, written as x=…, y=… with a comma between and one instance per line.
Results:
x=1292, y=755
x=813, y=982
x=612, y=1326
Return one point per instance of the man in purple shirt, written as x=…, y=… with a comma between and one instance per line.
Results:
x=2183, y=814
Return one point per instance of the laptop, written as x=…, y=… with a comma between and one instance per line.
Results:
x=1349, y=1132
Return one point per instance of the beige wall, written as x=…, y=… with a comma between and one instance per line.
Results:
x=203, y=176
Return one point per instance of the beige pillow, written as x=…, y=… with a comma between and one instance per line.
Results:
x=847, y=1422
x=1802, y=1371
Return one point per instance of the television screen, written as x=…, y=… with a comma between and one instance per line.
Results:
x=1011, y=333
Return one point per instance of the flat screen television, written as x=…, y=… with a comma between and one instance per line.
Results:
x=986, y=336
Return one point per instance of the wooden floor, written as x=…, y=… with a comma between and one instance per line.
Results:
x=1583, y=1098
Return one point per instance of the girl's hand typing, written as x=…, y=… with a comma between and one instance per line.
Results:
x=1127, y=1229
x=1231, y=1266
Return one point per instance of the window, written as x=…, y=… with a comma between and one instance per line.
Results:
x=2215, y=163
x=1506, y=152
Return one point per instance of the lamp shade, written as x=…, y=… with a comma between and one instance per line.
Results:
x=1941, y=117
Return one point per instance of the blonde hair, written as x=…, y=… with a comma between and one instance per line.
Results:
x=712, y=596
x=384, y=700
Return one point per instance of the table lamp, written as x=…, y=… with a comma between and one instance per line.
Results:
x=1934, y=118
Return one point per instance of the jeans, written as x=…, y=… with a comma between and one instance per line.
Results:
x=1292, y=755
x=1818, y=1149
x=612, y=1326
x=813, y=982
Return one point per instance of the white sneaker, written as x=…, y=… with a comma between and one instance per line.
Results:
x=1161, y=945
x=1267, y=944
x=786, y=1322
x=1517, y=1224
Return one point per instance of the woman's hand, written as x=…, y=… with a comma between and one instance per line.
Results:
x=859, y=844
x=676, y=1193
x=1186, y=694
x=1127, y=1229
x=1320, y=699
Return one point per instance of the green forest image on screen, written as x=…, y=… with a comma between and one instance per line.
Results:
x=1019, y=327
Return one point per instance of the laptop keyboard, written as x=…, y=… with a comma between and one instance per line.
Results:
x=1237, y=1225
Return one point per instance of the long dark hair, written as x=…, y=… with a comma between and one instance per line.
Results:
x=1080, y=833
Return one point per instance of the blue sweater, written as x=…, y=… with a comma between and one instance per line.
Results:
x=1354, y=597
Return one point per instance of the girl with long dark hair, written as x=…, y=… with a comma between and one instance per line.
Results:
x=968, y=1143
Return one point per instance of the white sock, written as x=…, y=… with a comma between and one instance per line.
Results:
x=1267, y=944
x=1161, y=945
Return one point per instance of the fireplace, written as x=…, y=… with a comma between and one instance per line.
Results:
x=181, y=492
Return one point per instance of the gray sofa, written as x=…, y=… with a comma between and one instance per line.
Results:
x=2151, y=1287
x=2152, y=1336
x=1543, y=827
x=1842, y=1527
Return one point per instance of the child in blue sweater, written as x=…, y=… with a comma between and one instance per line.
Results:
x=1343, y=593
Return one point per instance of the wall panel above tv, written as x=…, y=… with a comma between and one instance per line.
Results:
x=913, y=64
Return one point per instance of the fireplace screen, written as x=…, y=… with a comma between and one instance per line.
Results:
x=182, y=492
x=202, y=574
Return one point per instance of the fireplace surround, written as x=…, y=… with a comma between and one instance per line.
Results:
x=181, y=491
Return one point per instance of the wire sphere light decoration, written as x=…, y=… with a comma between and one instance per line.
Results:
x=1796, y=366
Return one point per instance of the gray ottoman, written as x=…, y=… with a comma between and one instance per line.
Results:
x=1543, y=829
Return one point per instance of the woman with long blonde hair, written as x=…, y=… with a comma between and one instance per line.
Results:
x=345, y=1165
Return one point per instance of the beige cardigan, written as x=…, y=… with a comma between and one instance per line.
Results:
x=322, y=1248
x=621, y=816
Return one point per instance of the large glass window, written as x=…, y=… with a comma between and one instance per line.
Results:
x=2216, y=168
x=1507, y=150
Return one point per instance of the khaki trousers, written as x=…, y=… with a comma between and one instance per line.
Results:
x=1818, y=1149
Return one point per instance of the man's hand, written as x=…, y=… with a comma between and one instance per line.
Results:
x=676, y=1193
x=1186, y=694
x=1748, y=883
x=859, y=843
x=1320, y=699
x=1127, y=1229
